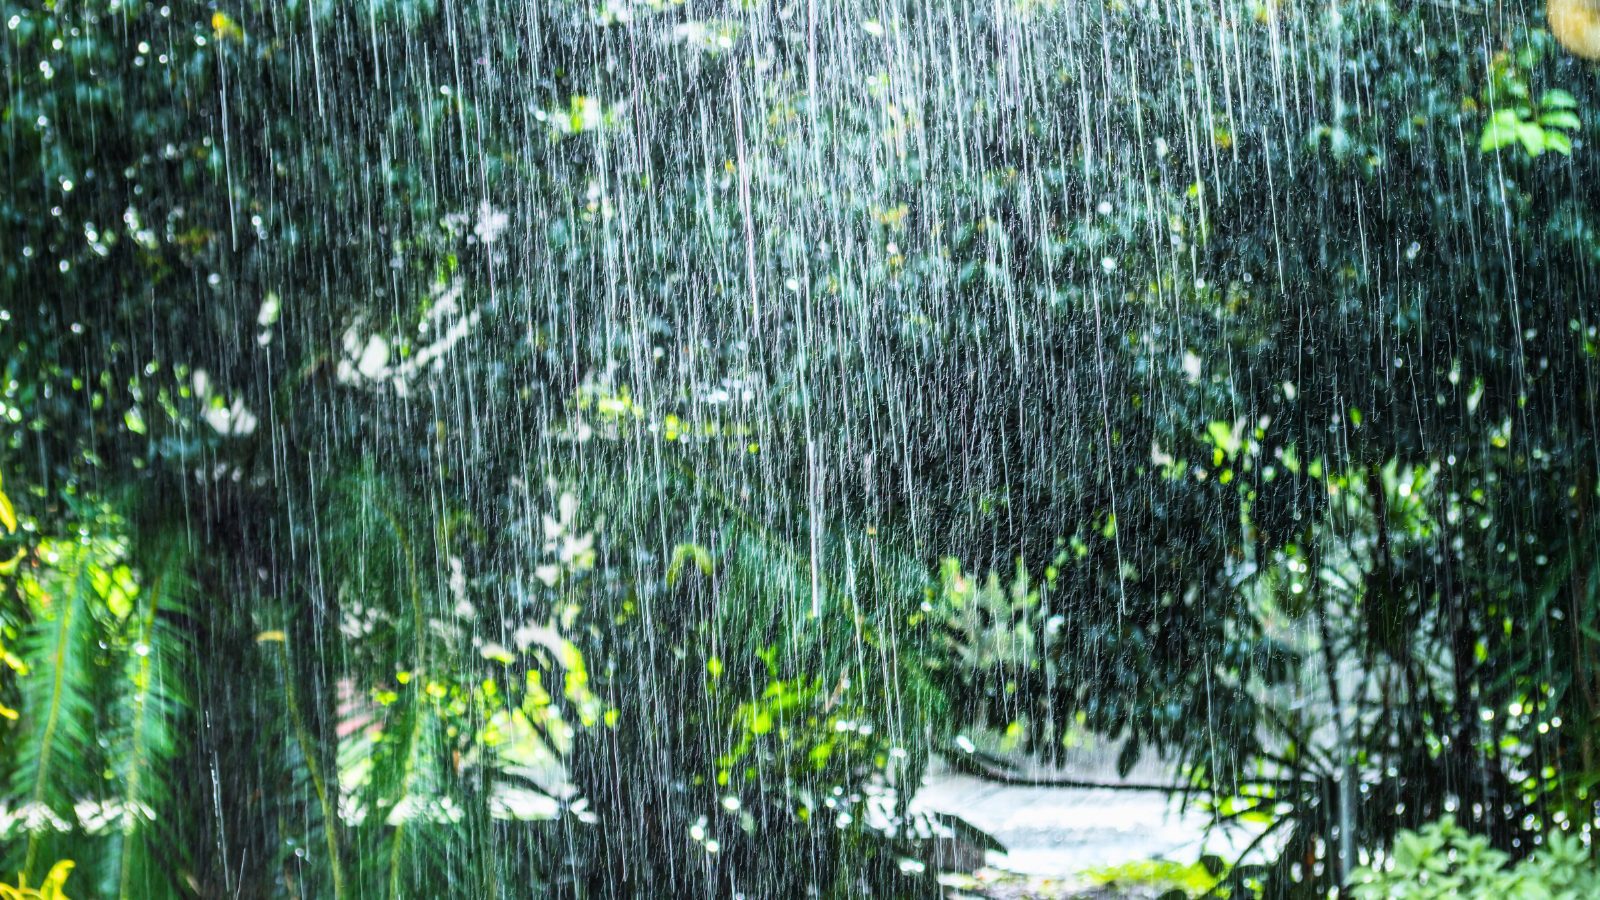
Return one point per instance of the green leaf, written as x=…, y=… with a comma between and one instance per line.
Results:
x=8, y=513
x=1226, y=437
x=133, y=419
x=148, y=731
x=1501, y=131
x=685, y=553
x=1560, y=119
x=1532, y=138
x=54, y=747
x=1556, y=98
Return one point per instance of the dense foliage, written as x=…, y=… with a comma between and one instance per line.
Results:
x=609, y=448
x=1441, y=860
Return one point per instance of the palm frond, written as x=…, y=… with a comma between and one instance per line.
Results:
x=325, y=788
x=374, y=523
x=146, y=735
x=54, y=764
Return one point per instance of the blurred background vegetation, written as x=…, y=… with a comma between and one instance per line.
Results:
x=609, y=449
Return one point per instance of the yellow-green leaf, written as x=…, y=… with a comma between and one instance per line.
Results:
x=8, y=513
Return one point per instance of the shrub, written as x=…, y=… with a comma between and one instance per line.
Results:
x=1444, y=860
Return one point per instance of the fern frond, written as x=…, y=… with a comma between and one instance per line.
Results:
x=54, y=764
x=393, y=572
x=439, y=832
x=396, y=796
x=291, y=817
x=327, y=789
x=147, y=723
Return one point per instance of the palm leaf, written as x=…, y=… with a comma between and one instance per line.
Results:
x=325, y=788
x=54, y=764
x=146, y=735
x=373, y=526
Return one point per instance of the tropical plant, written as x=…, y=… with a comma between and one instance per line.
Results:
x=99, y=674
x=575, y=447
x=53, y=887
x=1442, y=860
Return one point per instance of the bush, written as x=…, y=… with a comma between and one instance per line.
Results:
x=1445, y=860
